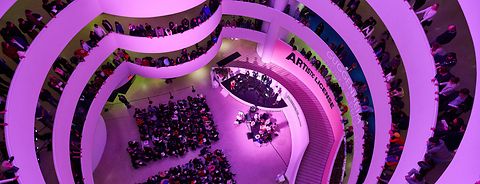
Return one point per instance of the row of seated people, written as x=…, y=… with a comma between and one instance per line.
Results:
x=242, y=22
x=172, y=130
x=304, y=15
x=208, y=167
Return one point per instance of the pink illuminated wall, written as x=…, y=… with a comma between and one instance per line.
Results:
x=423, y=106
x=147, y=8
x=93, y=115
x=325, y=53
x=28, y=80
x=68, y=102
x=344, y=26
x=281, y=51
x=5, y=5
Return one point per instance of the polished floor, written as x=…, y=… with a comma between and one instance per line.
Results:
x=250, y=162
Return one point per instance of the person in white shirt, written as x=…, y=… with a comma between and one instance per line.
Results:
x=428, y=14
x=99, y=31
x=85, y=46
x=450, y=86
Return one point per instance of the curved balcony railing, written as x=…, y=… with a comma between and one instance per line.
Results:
x=6, y=5
x=367, y=60
x=312, y=40
x=111, y=83
x=111, y=42
x=39, y=59
x=146, y=8
x=423, y=106
x=464, y=166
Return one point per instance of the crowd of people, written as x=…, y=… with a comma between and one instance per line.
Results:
x=148, y=30
x=389, y=66
x=453, y=101
x=262, y=126
x=252, y=87
x=208, y=167
x=304, y=15
x=172, y=129
x=184, y=56
x=242, y=22
x=262, y=2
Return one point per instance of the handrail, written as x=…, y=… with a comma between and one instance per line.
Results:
x=464, y=166
x=423, y=106
x=27, y=82
x=339, y=21
x=103, y=94
x=147, y=8
x=285, y=21
x=74, y=88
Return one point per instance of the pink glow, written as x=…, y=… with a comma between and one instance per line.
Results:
x=325, y=53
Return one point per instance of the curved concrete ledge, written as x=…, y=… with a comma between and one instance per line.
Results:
x=146, y=8
x=423, y=106
x=464, y=166
x=68, y=103
x=353, y=37
x=5, y=6
x=94, y=112
x=74, y=88
x=170, y=43
x=28, y=81
x=245, y=34
x=29, y=77
x=326, y=54
x=119, y=75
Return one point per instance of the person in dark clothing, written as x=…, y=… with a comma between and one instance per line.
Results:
x=46, y=96
x=108, y=27
x=418, y=4
x=319, y=29
x=4, y=69
x=119, y=28
x=124, y=100
x=447, y=36
x=27, y=28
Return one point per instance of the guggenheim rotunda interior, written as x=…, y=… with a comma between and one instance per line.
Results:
x=239, y=91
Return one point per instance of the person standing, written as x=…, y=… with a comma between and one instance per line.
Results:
x=447, y=36
x=107, y=25
x=119, y=28
x=124, y=100
x=99, y=31
x=428, y=14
